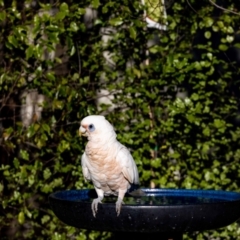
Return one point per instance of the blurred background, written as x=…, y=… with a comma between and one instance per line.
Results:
x=165, y=74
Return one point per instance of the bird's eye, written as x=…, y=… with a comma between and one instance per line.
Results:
x=91, y=127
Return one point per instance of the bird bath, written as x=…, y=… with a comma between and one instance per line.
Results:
x=160, y=214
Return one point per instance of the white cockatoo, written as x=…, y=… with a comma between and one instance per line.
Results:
x=106, y=162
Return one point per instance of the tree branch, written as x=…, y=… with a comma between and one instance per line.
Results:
x=224, y=9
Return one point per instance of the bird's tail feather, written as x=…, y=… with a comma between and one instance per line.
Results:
x=135, y=191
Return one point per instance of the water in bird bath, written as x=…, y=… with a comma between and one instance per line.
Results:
x=163, y=198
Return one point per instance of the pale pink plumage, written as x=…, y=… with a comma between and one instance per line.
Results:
x=106, y=162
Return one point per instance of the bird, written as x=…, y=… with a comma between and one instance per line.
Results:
x=106, y=162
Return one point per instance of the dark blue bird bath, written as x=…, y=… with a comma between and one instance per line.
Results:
x=160, y=214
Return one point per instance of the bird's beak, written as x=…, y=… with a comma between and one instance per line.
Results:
x=82, y=131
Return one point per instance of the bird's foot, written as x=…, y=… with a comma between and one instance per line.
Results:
x=95, y=205
x=119, y=203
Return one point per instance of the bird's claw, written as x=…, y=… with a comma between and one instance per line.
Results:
x=95, y=206
x=119, y=206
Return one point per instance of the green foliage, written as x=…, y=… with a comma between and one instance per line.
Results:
x=178, y=114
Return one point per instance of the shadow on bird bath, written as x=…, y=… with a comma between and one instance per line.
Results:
x=160, y=213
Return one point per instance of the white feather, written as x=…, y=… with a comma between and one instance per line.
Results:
x=106, y=162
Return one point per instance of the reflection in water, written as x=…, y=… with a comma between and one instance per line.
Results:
x=154, y=197
x=160, y=200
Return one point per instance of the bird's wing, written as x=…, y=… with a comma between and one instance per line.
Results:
x=85, y=170
x=129, y=168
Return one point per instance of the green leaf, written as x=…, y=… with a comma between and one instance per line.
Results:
x=223, y=47
x=73, y=50
x=133, y=32
x=47, y=173
x=195, y=96
x=24, y=154
x=45, y=219
x=46, y=128
x=207, y=34
x=237, y=45
x=21, y=218
x=50, y=76
x=12, y=39
x=116, y=21
x=57, y=104
x=60, y=15
x=95, y=3
x=208, y=21
x=64, y=8
x=2, y=16
x=74, y=26
x=207, y=132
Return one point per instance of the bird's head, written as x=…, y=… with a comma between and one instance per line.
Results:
x=95, y=125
